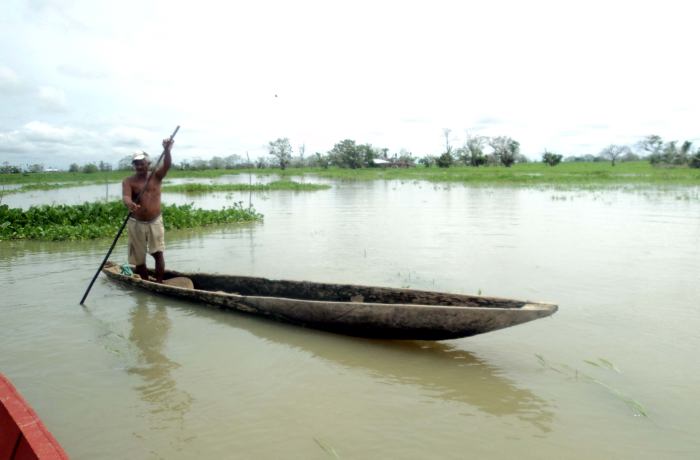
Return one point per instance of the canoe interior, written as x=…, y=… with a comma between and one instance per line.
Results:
x=23, y=436
x=305, y=290
x=366, y=311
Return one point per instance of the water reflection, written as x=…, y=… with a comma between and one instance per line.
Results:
x=449, y=373
x=150, y=326
x=440, y=370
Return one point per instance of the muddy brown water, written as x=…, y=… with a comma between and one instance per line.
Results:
x=136, y=376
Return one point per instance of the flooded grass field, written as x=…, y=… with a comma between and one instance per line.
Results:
x=612, y=374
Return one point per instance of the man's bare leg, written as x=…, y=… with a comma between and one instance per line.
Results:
x=160, y=265
x=142, y=271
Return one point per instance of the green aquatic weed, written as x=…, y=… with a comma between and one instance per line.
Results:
x=103, y=219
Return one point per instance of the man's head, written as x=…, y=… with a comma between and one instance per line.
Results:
x=140, y=161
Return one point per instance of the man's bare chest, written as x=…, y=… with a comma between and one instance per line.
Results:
x=137, y=187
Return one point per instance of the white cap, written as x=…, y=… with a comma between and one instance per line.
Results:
x=137, y=156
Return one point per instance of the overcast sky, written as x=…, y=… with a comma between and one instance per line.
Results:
x=91, y=80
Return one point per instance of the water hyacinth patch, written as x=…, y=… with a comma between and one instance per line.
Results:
x=102, y=220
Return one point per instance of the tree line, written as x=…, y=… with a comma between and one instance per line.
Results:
x=474, y=151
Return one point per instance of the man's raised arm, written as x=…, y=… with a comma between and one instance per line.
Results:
x=167, y=160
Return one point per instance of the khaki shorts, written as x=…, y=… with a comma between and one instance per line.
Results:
x=145, y=237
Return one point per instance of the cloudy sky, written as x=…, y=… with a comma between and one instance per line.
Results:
x=92, y=80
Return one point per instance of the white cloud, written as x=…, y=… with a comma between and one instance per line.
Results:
x=8, y=79
x=571, y=77
x=131, y=137
x=43, y=132
x=52, y=99
x=82, y=72
x=38, y=141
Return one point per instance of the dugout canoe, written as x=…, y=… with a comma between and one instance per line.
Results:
x=22, y=434
x=364, y=311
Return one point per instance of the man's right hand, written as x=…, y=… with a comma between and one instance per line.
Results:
x=133, y=207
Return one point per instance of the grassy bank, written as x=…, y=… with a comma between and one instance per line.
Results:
x=529, y=174
x=33, y=186
x=276, y=185
x=101, y=177
x=102, y=220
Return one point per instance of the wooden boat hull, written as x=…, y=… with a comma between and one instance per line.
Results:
x=22, y=434
x=364, y=311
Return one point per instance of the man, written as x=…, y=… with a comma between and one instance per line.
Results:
x=145, y=225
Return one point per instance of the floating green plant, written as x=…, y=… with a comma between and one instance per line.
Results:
x=101, y=220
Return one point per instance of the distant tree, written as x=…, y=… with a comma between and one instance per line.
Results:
x=614, y=152
x=493, y=160
x=405, y=158
x=669, y=153
x=199, y=164
x=695, y=160
x=581, y=158
x=261, y=163
x=281, y=149
x=217, y=163
x=7, y=168
x=472, y=152
x=367, y=154
x=428, y=161
x=684, y=153
x=74, y=167
x=321, y=161
x=445, y=160
x=124, y=163
x=233, y=161
x=552, y=159
x=505, y=149
x=347, y=154
x=104, y=166
x=630, y=156
x=651, y=145
x=89, y=168
x=446, y=133
x=35, y=168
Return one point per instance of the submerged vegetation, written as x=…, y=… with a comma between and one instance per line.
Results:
x=101, y=220
x=276, y=185
x=601, y=363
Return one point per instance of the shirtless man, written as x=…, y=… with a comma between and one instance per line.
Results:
x=145, y=225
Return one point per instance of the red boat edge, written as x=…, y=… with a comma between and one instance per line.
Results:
x=23, y=436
